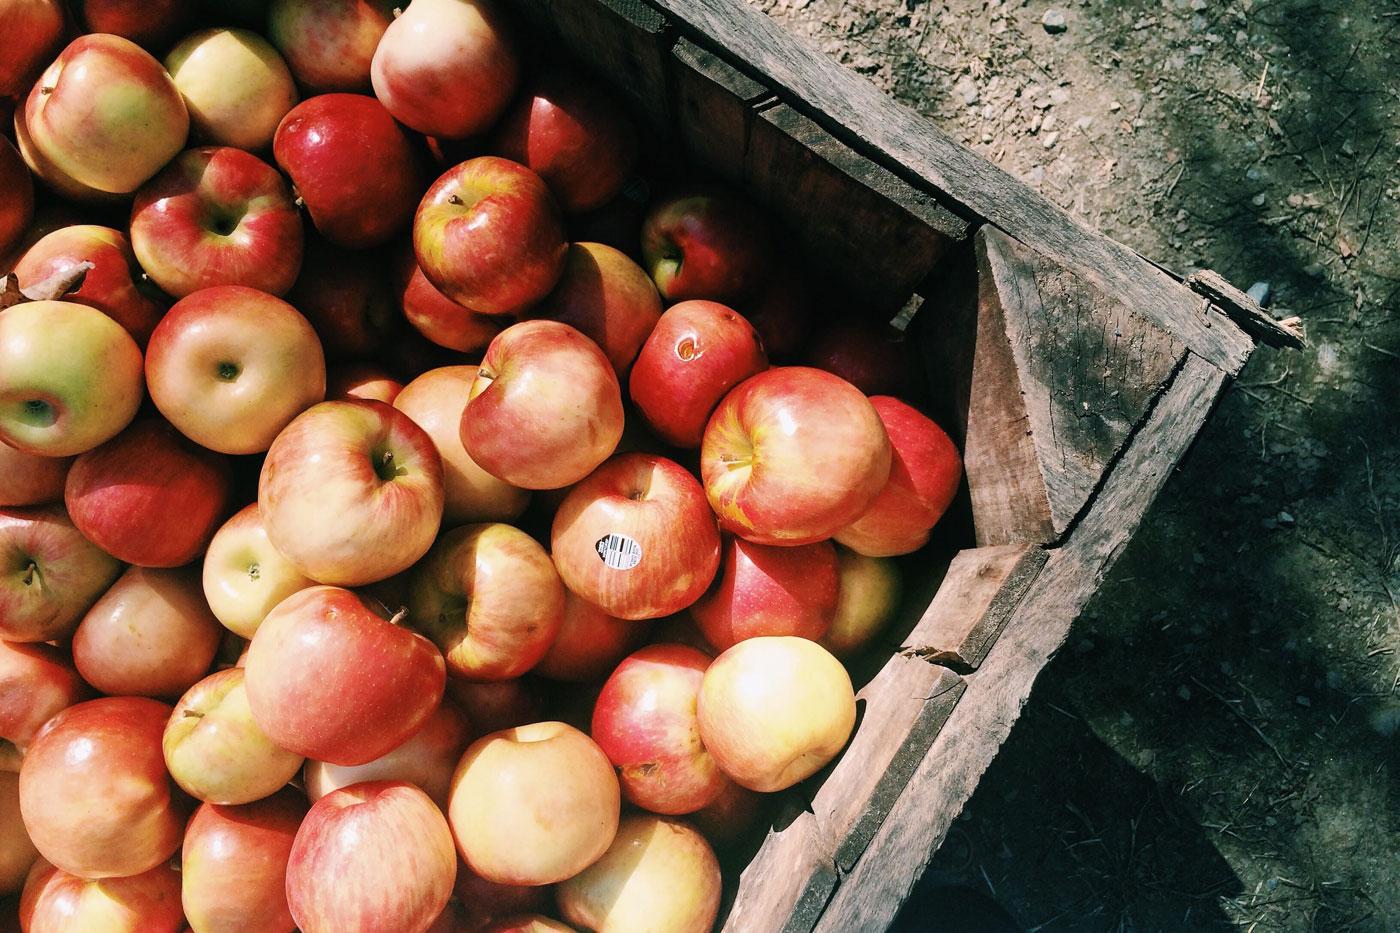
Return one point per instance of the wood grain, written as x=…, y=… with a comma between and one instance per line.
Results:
x=714, y=109
x=1246, y=312
x=626, y=41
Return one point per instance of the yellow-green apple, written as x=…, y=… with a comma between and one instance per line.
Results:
x=489, y=597
x=149, y=496
x=46, y=170
x=589, y=644
x=527, y=923
x=781, y=312
x=706, y=244
x=36, y=683
x=645, y=721
x=52, y=574
x=233, y=865
x=659, y=874
x=767, y=590
x=17, y=852
x=94, y=793
x=574, y=135
x=545, y=408
x=151, y=634
x=477, y=901
x=533, y=805
x=369, y=467
x=374, y=857
x=347, y=297
x=367, y=381
x=636, y=538
x=729, y=817
x=869, y=598
x=493, y=705
x=30, y=479
x=55, y=900
x=114, y=285
x=925, y=471
x=433, y=314
x=236, y=87
x=332, y=680
x=216, y=752
x=17, y=208
x=426, y=760
x=698, y=351
x=244, y=575
x=105, y=114
x=870, y=355
x=446, y=67
x=792, y=456
x=329, y=43
x=354, y=168
x=217, y=216
x=774, y=710
x=488, y=235
x=608, y=298
x=31, y=29
x=149, y=23
x=231, y=366
x=70, y=377
x=435, y=401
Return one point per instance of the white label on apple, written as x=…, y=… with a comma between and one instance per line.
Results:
x=618, y=551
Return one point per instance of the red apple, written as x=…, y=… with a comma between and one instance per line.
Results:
x=36, y=683
x=545, y=408
x=244, y=575
x=94, y=793
x=477, y=902
x=29, y=479
x=589, y=644
x=347, y=298
x=706, y=244
x=354, y=168
x=149, y=23
x=766, y=590
x=55, y=900
x=793, y=455
x=366, y=381
x=52, y=574
x=17, y=853
x=728, y=818
x=148, y=496
x=17, y=209
x=493, y=705
x=697, y=353
x=869, y=599
x=782, y=313
x=236, y=87
x=329, y=44
x=231, y=366
x=331, y=680
x=682, y=630
x=375, y=858
x=872, y=356
x=636, y=538
x=574, y=135
x=233, y=865
x=426, y=760
x=434, y=315
x=446, y=67
x=31, y=29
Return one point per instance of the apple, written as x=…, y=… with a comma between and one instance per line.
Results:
x=782, y=313
x=590, y=643
x=766, y=590
x=52, y=574
x=698, y=351
x=872, y=356
x=55, y=900
x=574, y=135
x=446, y=67
x=151, y=634
x=351, y=492
x=728, y=818
x=114, y=285
x=774, y=710
x=29, y=479
x=426, y=760
x=94, y=793
x=545, y=408
x=477, y=901
x=608, y=298
x=236, y=87
x=17, y=209
x=331, y=680
x=533, y=805
x=793, y=455
x=148, y=496
x=925, y=472
x=233, y=865
x=354, y=168
x=706, y=244
x=493, y=705
x=149, y=23
x=366, y=381
x=216, y=752
x=434, y=315
x=636, y=538
x=347, y=298
x=329, y=44
x=105, y=115
x=436, y=401
x=231, y=366
x=44, y=169
x=244, y=575
x=870, y=590
x=488, y=235
x=36, y=683
x=659, y=874
x=527, y=923
x=681, y=629
x=17, y=853
x=489, y=597
x=374, y=857
x=31, y=29
x=70, y=378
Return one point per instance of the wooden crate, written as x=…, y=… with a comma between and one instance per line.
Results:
x=1075, y=375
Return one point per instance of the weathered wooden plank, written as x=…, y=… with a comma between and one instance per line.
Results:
x=714, y=109
x=627, y=41
x=785, y=887
x=1247, y=312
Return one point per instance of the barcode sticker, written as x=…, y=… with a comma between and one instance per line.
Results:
x=618, y=551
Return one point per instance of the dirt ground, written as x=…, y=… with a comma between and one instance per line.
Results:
x=1216, y=746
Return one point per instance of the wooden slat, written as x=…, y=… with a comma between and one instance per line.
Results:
x=714, y=109
x=628, y=41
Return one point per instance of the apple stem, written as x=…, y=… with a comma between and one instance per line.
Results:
x=29, y=573
x=46, y=89
x=398, y=617
x=453, y=199
x=193, y=714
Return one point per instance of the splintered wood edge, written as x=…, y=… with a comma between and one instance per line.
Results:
x=1247, y=312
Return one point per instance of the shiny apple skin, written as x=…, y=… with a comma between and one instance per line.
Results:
x=354, y=168
x=870, y=591
x=434, y=315
x=871, y=356
x=236, y=87
x=55, y=901
x=348, y=298
x=17, y=209
x=698, y=351
x=330, y=680
x=426, y=760
x=149, y=496
x=233, y=865
x=590, y=643
x=151, y=24
x=32, y=30
x=94, y=792
x=29, y=479
x=71, y=573
x=706, y=244
x=329, y=44
x=365, y=381
x=36, y=683
x=17, y=852
x=925, y=473
x=793, y=455
x=767, y=590
x=244, y=576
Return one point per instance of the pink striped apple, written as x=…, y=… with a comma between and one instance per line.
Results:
x=329, y=44
x=766, y=590
x=36, y=683
x=590, y=643
x=52, y=576
x=233, y=864
x=706, y=244
x=148, y=902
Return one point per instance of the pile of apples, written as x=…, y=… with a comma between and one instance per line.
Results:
x=359, y=399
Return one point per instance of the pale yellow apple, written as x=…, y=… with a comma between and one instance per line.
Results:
x=236, y=87
x=245, y=576
x=867, y=601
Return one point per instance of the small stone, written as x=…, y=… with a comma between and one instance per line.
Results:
x=1260, y=292
x=1054, y=22
x=1184, y=692
x=1114, y=107
x=1198, y=5
x=1258, y=199
x=1302, y=701
x=1286, y=519
x=1051, y=139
